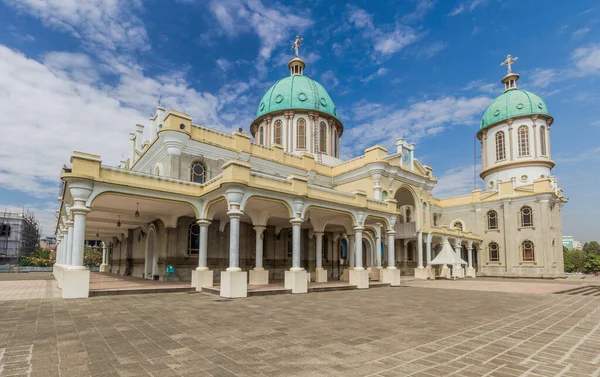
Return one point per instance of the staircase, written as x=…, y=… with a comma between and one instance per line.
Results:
x=586, y=290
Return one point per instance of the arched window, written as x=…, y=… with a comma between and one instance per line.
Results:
x=494, y=252
x=543, y=140
x=277, y=133
x=157, y=170
x=261, y=135
x=492, y=220
x=526, y=217
x=523, y=140
x=194, y=239
x=384, y=195
x=323, y=137
x=301, y=134
x=500, y=146
x=528, y=251
x=4, y=230
x=457, y=225
x=408, y=215
x=198, y=172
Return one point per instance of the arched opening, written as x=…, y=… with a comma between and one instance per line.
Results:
x=261, y=135
x=523, y=141
x=198, y=172
x=500, y=146
x=543, y=141
x=301, y=134
x=323, y=137
x=277, y=132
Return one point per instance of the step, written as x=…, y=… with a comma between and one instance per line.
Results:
x=121, y=292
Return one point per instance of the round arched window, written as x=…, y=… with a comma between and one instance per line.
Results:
x=198, y=173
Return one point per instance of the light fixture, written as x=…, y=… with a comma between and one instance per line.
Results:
x=97, y=233
x=137, y=210
x=119, y=221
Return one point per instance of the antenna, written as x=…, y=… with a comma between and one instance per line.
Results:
x=159, y=98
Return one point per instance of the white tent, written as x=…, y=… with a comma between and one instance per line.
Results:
x=448, y=256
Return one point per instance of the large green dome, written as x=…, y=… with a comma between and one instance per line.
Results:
x=296, y=92
x=511, y=104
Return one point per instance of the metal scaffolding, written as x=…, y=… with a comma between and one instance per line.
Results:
x=19, y=235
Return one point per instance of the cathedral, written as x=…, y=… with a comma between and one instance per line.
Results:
x=273, y=203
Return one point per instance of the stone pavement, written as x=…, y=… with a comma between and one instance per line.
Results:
x=380, y=332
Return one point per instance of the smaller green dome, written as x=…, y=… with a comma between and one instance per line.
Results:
x=511, y=104
x=296, y=92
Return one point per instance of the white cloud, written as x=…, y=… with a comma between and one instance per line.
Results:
x=329, y=80
x=422, y=8
x=469, y=6
x=223, y=64
x=381, y=124
x=591, y=154
x=109, y=24
x=385, y=40
x=429, y=51
x=273, y=26
x=587, y=59
x=378, y=73
x=484, y=87
x=456, y=181
x=581, y=32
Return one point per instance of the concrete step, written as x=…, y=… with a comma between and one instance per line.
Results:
x=120, y=292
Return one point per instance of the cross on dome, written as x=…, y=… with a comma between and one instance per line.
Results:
x=297, y=44
x=509, y=61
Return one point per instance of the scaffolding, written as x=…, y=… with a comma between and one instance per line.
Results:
x=19, y=236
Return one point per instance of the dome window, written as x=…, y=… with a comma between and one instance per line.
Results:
x=301, y=134
x=279, y=98
x=523, y=141
x=543, y=141
x=500, y=146
x=520, y=106
x=302, y=97
x=323, y=102
x=277, y=133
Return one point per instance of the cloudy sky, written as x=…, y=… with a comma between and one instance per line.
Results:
x=78, y=75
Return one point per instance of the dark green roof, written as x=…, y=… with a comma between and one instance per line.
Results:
x=296, y=92
x=511, y=104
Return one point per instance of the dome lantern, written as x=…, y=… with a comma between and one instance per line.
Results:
x=511, y=78
x=296, y=65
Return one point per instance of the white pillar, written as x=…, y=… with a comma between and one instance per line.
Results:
x=76, y=277
x=259, y=276
x=203, y=245
x=203, y=277
x=234, y=281
x=104, y=266
x=428, y=248
x=320, y=272
x=234, y=240
x=319, y=249
x=470, y=270
x=69, y=237
x=296, y=234
x=378, y=245
x=296, y=278
x=420, y=248
x=358, y=260
x=358, y=275
x=458, y=267
x=351, y=252
x=259, y=230
x=391, y=274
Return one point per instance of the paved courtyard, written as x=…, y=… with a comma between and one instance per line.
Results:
x=406, y=331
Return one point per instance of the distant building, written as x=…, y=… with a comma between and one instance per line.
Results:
x=570, y=243
x=577, y=245
x=19, y=235
x=48, y=242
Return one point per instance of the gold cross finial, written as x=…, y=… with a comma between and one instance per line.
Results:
x=508, y=62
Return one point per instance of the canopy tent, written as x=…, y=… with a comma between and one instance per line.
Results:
x=447, y=256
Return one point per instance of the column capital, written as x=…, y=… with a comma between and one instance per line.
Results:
x=68, y=223
x=259, y=228
x=235, y=213
x=319, y=234
x=78, y=209
x=203, y=222
x=391, y=232
x=358, y=228
x=296, y=221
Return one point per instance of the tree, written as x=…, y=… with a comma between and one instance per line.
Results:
x=576, y=261
x=592, y=263
x=591, y=247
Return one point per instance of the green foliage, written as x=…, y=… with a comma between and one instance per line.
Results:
x=92, y=256
x=591, y=248
x=575, y=261
x=565, y=250
x=39, y=258
x=592, y=263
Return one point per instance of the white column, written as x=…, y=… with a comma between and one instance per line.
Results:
x=78, y=239
x=234, y=239
x=351, y=251
x=470, y=256
x=391, y=251
x=68, y=235
x=104, y=254
x=296, y=235
x=420, y=249
x=358, y=260
x=428, y=248
x=203, y=276
x=203, y=245
x=259, y=230
x=378, y=245
x=359, y=276
x=319, y=247
x=458, y=267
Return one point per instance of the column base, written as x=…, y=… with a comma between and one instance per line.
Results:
x=430, y=272
x=360, y=278
x=234, y=284
x=202, y=278
x=458, y=271
x=320, y=275
x=420, y=273
x=346, y=274
x=259, y=276
x=75, y=283
x=375, y=273
x=297, y=281
x=103, y=267
x=391, y=276
x=471, y=272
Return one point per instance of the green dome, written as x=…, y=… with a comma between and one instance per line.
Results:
x=296, y=92
x=511, y=104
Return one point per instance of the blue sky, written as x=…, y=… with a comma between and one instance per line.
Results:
x=80, y=74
